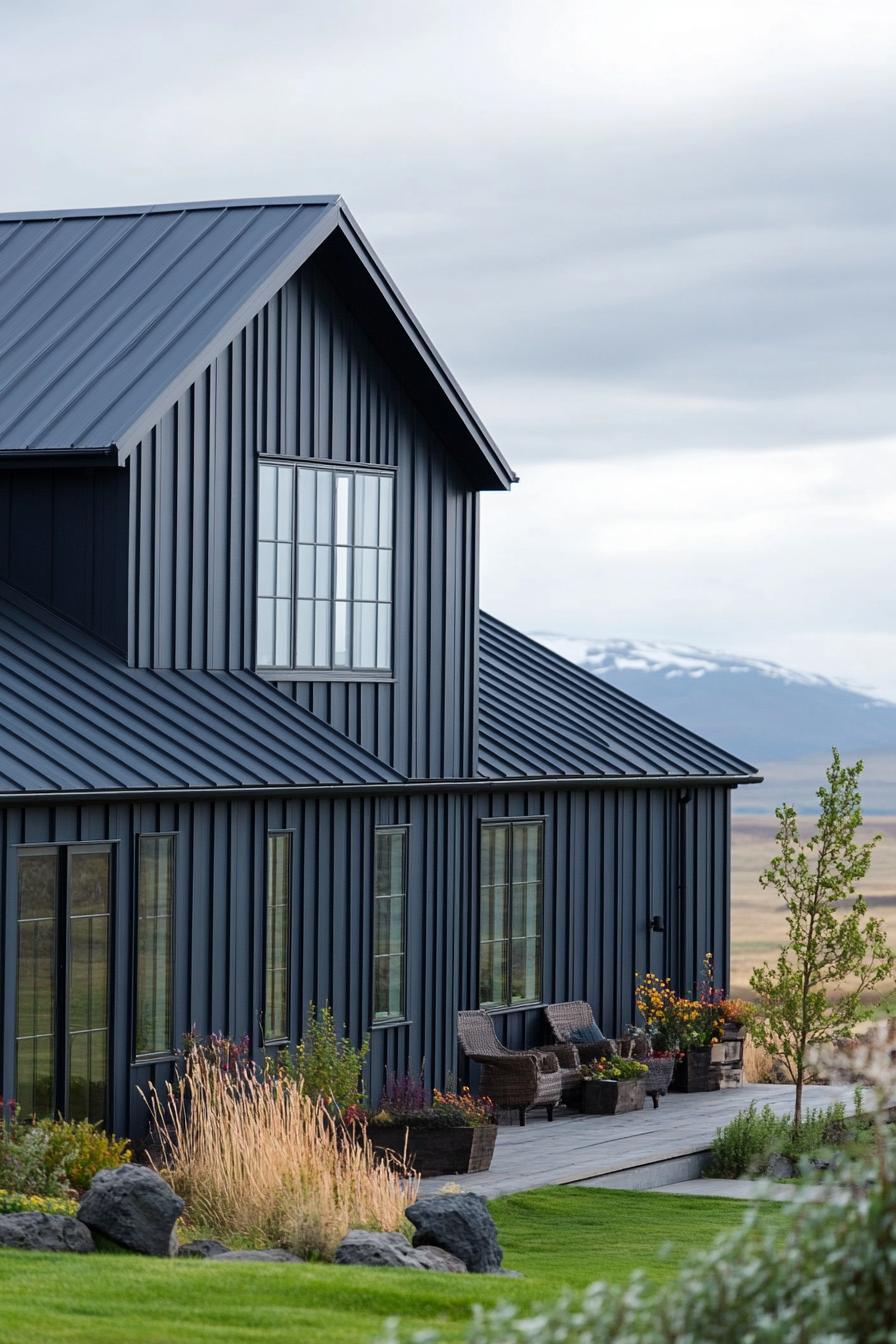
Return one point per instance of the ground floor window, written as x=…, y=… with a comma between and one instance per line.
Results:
x=155, y=942
x=62, y=980
x=511, y=888
x=276, y=942
x=389, y=920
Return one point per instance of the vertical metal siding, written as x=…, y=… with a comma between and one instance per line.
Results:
x=303, y=381
x=63, y=541
x=611, y=861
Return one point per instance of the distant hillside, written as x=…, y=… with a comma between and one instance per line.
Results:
x=782, y=721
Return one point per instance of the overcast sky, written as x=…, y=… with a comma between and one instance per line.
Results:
x=656, y=242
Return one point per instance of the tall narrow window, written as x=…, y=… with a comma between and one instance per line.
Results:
x=89, y=904
x=155, y=941
x=276, y=942
x=38, y=883
x=275, y=565
x=326, y=535
x=511, y=885
x=62, y=980
x=389, y=917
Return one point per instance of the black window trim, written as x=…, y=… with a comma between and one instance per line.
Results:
x=276, y=1042
x=61, y=1064
x=521, y=1005
x=160, y=1056
x=401, y=1020
x=292, y=672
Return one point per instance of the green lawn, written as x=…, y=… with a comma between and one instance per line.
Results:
x=557, y=1237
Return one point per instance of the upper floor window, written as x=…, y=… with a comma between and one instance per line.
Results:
x=325, y=561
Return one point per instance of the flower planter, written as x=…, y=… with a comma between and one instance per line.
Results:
x=438, y=1152
x=602, y=1097
x=698, y=1071
x=659, y=1077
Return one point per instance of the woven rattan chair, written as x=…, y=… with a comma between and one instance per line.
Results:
x=514, y=1079
x=565, y=1018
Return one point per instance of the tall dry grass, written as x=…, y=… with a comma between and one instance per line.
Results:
x=258, y=1159
x=759, y=1065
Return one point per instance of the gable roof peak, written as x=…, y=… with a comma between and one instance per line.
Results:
x=108, y=315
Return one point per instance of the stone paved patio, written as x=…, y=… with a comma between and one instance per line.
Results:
x=641, y=1150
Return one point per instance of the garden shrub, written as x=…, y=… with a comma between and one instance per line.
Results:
x=12, y=1201
x=745, y=1144
x=82, y=1149
x=820, y=1273
x=326, y=1064
x=260, y=1159
x=53, y=1157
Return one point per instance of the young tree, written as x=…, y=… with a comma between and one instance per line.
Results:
x=835, y=952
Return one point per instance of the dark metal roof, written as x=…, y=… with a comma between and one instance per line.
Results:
x=75, y=718
x=106, y=316
x=540, y=715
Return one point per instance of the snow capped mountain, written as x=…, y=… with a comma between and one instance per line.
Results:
x=678, y=660
x=783, y=721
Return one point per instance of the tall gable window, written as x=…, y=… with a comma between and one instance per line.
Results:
x=511, y=884
x=325, y=562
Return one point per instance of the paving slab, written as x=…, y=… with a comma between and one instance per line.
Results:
x=646, y=1149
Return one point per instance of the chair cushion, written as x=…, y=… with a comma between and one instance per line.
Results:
x=590, y=1035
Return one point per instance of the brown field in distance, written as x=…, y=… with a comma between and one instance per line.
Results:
x=757, y=916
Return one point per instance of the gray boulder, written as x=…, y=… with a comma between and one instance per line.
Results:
x=780, y=1168
x=274, y=1254
x=134, y=1208
x=205, y=1249
x=433, y=1257
x=44, y=1232
x=461, y=1225
x=392, y=1251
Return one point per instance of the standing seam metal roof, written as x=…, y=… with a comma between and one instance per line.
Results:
x=106, y=316
x=75, y=717
x=540, y=715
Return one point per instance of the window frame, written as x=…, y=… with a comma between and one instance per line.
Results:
x=401, y=1018
x=509, y=1004
x=150, y=1057
x=292, y=671
x=62, y=918
x=284, y=1039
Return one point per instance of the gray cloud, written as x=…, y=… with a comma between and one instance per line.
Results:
x=639, y=234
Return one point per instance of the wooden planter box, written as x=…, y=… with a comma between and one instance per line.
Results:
x=438, y=1152
x=602, y=1097
x=707, y=1068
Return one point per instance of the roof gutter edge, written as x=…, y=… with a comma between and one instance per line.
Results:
x=539, y=783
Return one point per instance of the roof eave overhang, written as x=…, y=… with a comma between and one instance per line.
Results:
x=400, y=788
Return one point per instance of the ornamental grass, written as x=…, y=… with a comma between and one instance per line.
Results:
x=258, y=1159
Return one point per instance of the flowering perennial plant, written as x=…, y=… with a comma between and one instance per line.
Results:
x=12, y=1201
x=613, y=1069
x=405, y=1101
x=675, y=1023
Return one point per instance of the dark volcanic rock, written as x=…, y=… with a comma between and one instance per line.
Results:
x=392, y=1250
x=203, y=1250
x=133, y=1207
x=461, y=1225
x=44, y=1232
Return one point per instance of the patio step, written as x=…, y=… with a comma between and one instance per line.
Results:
x=652, y=1175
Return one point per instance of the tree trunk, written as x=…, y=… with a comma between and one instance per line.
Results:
x=798, y=1098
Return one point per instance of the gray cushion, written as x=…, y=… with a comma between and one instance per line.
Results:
x=590, y=1035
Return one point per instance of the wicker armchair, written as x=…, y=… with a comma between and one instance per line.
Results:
x=564, y=1018
x=514, y=1079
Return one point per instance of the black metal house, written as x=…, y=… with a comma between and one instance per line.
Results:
x=258, y=745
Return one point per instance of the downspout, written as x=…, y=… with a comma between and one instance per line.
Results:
x=684, y=798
